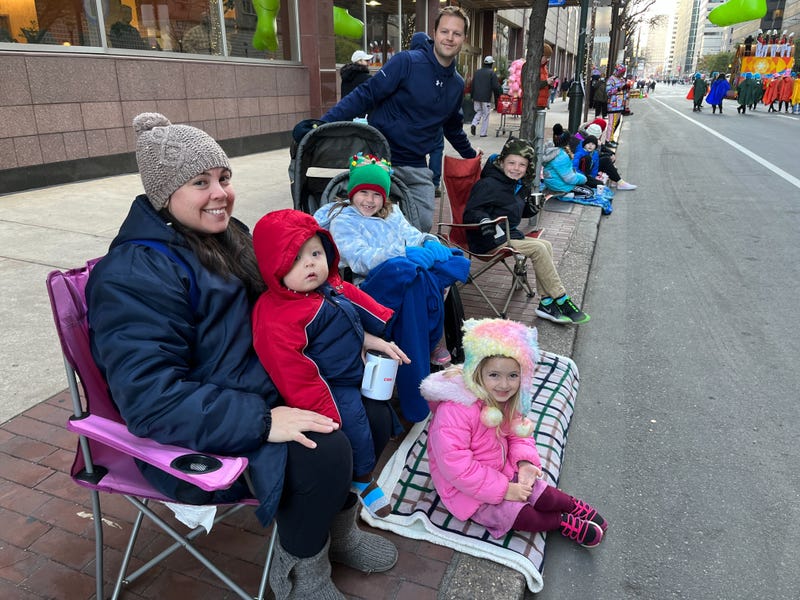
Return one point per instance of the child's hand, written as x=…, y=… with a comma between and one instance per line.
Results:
x=518, y=492
x=420, y=256
x=392, y=350
x=441, y=253
x=528, y=473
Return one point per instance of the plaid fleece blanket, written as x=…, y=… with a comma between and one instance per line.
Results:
x=418, y=513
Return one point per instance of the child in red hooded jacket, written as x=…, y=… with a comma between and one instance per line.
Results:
x=309, y=330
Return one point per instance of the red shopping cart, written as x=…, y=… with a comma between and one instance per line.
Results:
x=508, y=106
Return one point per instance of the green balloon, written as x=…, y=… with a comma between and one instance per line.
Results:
x=737, y=11
x=265, y=37
x=346, y=25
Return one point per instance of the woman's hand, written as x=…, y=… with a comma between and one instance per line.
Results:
x=390, y=349
x=289, y=425
x=518, y=492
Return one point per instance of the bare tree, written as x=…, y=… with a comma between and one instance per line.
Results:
x=634, y=15
x=530, y=72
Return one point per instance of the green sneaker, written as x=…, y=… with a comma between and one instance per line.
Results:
x=572, y=312
x=552, y=312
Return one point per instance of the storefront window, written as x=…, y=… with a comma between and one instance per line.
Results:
x=372, y=25
x=53, y=22
x=247, y=28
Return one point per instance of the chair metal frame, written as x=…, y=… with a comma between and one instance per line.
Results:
x=104, y=460
x=451, y=233
x=455, y=234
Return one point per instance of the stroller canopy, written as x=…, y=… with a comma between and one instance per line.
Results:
x=329, y=146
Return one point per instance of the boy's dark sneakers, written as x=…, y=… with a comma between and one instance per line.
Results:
x=586, y=533
x=472, y=129
x=552, y=312
x=572, y=312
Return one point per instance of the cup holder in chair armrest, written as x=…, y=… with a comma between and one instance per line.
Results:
x=116, y=435
x=196, y=463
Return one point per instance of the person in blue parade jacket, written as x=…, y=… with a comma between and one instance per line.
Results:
x=309, y=329
x=412, y=100
x=170, y=328
x=719, y=88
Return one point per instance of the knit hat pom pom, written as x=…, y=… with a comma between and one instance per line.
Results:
x=523, y=427
x=147, y=121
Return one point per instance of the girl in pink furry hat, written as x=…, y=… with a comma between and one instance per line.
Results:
x=483, y=458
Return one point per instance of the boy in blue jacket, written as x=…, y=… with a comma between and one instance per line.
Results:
x=587, y=160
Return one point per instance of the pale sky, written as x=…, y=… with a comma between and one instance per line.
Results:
x=663, y=7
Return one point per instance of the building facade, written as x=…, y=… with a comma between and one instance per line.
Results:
x=689, y=25
x=74, y=74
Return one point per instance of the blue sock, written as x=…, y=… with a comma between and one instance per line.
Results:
x=372, y=497
x=547, y=301
x=561, y=299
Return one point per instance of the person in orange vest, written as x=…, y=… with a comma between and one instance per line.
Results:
x=545, y=81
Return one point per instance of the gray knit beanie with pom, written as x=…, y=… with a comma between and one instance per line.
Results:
x=170, y=155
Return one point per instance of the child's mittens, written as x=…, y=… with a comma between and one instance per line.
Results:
x=441, y=253
x=373, y=498
x=420, y=256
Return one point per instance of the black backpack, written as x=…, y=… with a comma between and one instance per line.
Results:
x=453, y=322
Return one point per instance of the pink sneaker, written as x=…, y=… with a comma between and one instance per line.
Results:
x=440, y=355
x=586, y=533
x=586, y=511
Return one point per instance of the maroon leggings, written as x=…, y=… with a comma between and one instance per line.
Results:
x=545, y=515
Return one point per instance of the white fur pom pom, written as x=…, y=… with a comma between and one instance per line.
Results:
x=523, y=427
x=491, y=417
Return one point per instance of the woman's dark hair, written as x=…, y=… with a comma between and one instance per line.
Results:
x=229, y=254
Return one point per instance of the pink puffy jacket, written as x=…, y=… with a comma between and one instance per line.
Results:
x=470, y=464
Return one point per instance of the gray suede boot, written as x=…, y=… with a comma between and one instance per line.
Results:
x=358, y=549
x=293, y=578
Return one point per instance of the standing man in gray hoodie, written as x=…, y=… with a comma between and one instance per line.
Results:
x=484, y=84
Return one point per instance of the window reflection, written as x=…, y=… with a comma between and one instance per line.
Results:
x=48, y=22
x=184, y=26
x=383, y=33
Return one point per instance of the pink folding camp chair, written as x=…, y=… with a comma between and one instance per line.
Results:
x=104, y=460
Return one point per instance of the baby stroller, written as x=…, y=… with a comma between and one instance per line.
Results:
x=329, y=147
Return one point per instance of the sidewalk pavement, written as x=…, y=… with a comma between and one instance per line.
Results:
x=45, y=530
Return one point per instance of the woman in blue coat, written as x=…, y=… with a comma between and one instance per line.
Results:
x=169, y=316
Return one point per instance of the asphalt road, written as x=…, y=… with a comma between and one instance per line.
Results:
x=685, y=428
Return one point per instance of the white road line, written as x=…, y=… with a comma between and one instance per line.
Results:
x=762, y=161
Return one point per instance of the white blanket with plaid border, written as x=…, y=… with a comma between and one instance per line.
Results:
x=417, y=512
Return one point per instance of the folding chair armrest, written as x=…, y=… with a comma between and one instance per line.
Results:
x=209, y=472
x=472, y=226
